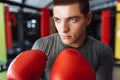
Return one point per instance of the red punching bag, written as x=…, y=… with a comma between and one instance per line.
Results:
x=105, y=26
x=118, y=1
x=45, y=22
x=8, y=28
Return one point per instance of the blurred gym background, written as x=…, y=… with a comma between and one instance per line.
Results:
x=24, y=21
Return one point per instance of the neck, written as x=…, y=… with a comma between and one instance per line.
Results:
x=79, y=42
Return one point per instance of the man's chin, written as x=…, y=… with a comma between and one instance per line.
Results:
x=67, y=42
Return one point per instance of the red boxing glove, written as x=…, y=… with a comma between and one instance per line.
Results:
x=71, y=65
x=28, y=65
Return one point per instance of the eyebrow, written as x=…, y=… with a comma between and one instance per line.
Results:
x=68, y=17
x=73, y=17
x=55, y=17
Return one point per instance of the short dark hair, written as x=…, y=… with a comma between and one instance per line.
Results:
x=84, y=4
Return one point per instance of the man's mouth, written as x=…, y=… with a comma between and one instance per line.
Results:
x=65, y=37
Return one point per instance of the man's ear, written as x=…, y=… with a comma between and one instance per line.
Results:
x=88, y=18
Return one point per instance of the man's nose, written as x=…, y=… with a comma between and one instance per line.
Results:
x=65, y=27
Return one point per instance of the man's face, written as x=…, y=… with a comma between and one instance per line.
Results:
x=70, y=23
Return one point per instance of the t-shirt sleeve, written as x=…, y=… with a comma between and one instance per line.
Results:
x=105, y=68
x=39, y=45
x=35, y=45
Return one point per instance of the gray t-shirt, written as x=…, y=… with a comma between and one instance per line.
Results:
x=99, y=55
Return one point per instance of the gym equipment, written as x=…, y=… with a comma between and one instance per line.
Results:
x=70, y=64
x=117, y=33
x=45, y=22
x=8, y=28
x=3, y=57
x=105, y=26
x=28, y=65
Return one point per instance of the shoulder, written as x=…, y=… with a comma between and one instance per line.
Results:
x=48, y=38
x=97, y=43
x=99, y=47
x=45, y=43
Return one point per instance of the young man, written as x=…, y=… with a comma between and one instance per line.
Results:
x=71, y=18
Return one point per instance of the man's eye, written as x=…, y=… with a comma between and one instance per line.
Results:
x=57, y=20
x=73, y=20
